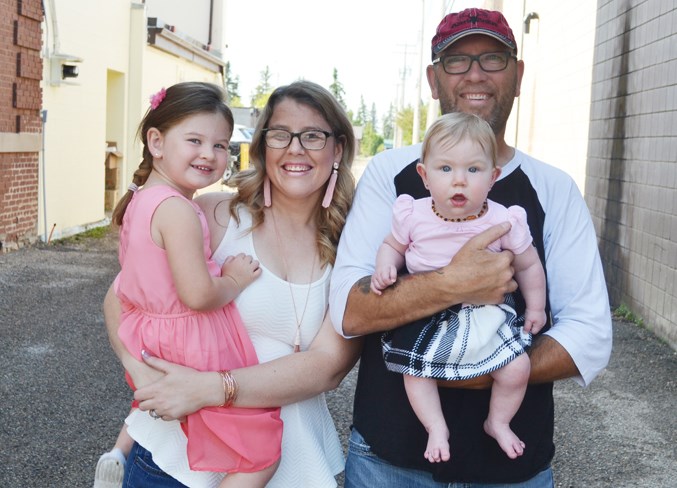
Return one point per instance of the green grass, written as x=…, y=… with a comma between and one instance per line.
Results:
x=623, y=312
x=93, y=233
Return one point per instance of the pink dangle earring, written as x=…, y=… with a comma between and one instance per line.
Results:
x=329, y=194
x=267, y=202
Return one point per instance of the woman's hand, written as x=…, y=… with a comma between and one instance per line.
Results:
x=178, y=390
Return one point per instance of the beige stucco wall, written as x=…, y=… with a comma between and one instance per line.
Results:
x=118, y=73
x=550, y=119
x=76, y=114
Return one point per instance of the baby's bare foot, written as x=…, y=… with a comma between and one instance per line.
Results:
x=506, y=438
x=437, y=449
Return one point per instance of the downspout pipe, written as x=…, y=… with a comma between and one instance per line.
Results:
x=44, y=174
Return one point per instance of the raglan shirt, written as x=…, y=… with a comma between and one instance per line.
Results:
x=564, y=236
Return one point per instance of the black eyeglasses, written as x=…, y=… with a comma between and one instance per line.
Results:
x=457, y=64
x=313, y=140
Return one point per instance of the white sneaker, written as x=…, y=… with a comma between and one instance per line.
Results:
x=110, y=470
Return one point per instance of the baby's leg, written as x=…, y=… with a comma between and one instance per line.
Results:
x=258, y=479
x=507, y=393
x=425, y=400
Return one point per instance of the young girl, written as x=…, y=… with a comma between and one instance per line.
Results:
x=176, y=301
x=458, y=166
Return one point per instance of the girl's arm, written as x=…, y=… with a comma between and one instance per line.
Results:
x=286, y=380
x=530, y=278
x=176, y=228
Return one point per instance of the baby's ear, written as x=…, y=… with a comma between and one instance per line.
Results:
x=495, y=174
x=420, y=169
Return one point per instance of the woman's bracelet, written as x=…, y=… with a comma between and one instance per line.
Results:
x=229, y=388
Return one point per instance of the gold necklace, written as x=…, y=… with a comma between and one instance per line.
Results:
x=464, y=219
x=297, y=338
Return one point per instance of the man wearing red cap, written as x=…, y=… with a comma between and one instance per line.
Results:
x=474, y=69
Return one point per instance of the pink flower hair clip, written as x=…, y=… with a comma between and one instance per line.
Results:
x=156, y=100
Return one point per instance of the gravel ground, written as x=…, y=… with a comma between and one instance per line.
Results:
x=63, y=396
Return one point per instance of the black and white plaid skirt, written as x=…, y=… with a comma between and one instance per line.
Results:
x=457, y=344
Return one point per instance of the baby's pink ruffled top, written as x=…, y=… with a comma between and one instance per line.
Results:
x=433, y=241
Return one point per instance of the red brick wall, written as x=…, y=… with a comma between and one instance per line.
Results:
x=20, y=104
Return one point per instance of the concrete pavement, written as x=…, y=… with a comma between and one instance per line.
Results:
x=63, y=396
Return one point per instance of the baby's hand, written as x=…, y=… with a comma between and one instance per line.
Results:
x=383, y=278
x=243, y=269
x=534, y=320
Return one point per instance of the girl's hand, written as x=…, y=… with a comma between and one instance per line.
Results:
x=142, y=374
x=179, y=391
x=383, y=278
x=242, y=269
x=534, y=320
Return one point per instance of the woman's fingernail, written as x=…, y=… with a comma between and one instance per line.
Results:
x=144, y=354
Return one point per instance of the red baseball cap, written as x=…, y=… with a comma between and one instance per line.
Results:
x=472, y=21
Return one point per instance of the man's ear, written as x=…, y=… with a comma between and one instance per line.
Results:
x=520, y=73
x=432, y=81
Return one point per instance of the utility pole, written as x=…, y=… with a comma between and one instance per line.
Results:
x=434, y=105
x=415, y=130
x=406, y=50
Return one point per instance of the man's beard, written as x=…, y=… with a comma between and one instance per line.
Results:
x=497, y=118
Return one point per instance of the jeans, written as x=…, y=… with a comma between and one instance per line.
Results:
x=142, y=472
x=366, y=470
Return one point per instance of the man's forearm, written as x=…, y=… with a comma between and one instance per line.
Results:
x=410, y=298
x=474, y=275
x=550, y=361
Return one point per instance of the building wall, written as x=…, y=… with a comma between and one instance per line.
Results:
x=599, y=100
x=20, y=123
x=632, y=163
x=91, y=150
x=550, y=117
x=173, y=12
x=96, y=33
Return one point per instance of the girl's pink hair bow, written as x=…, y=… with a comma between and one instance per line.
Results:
x=156, y=100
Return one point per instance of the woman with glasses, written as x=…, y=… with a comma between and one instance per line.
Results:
x=288, y=213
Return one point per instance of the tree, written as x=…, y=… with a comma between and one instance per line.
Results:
x=263, y=89
x=372, y=116
x=232, y=87
x=362, y=116
x=405, y=121
x=371, y=142
x=389, y=123
x=336, y=88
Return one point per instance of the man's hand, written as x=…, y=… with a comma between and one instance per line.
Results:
x=475, y=275
x=485, y=276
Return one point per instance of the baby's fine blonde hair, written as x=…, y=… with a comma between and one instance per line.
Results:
x=454, y=127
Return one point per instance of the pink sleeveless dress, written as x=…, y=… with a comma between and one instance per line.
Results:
x=155, y=319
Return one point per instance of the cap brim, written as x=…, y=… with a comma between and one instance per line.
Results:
x=449, y=41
